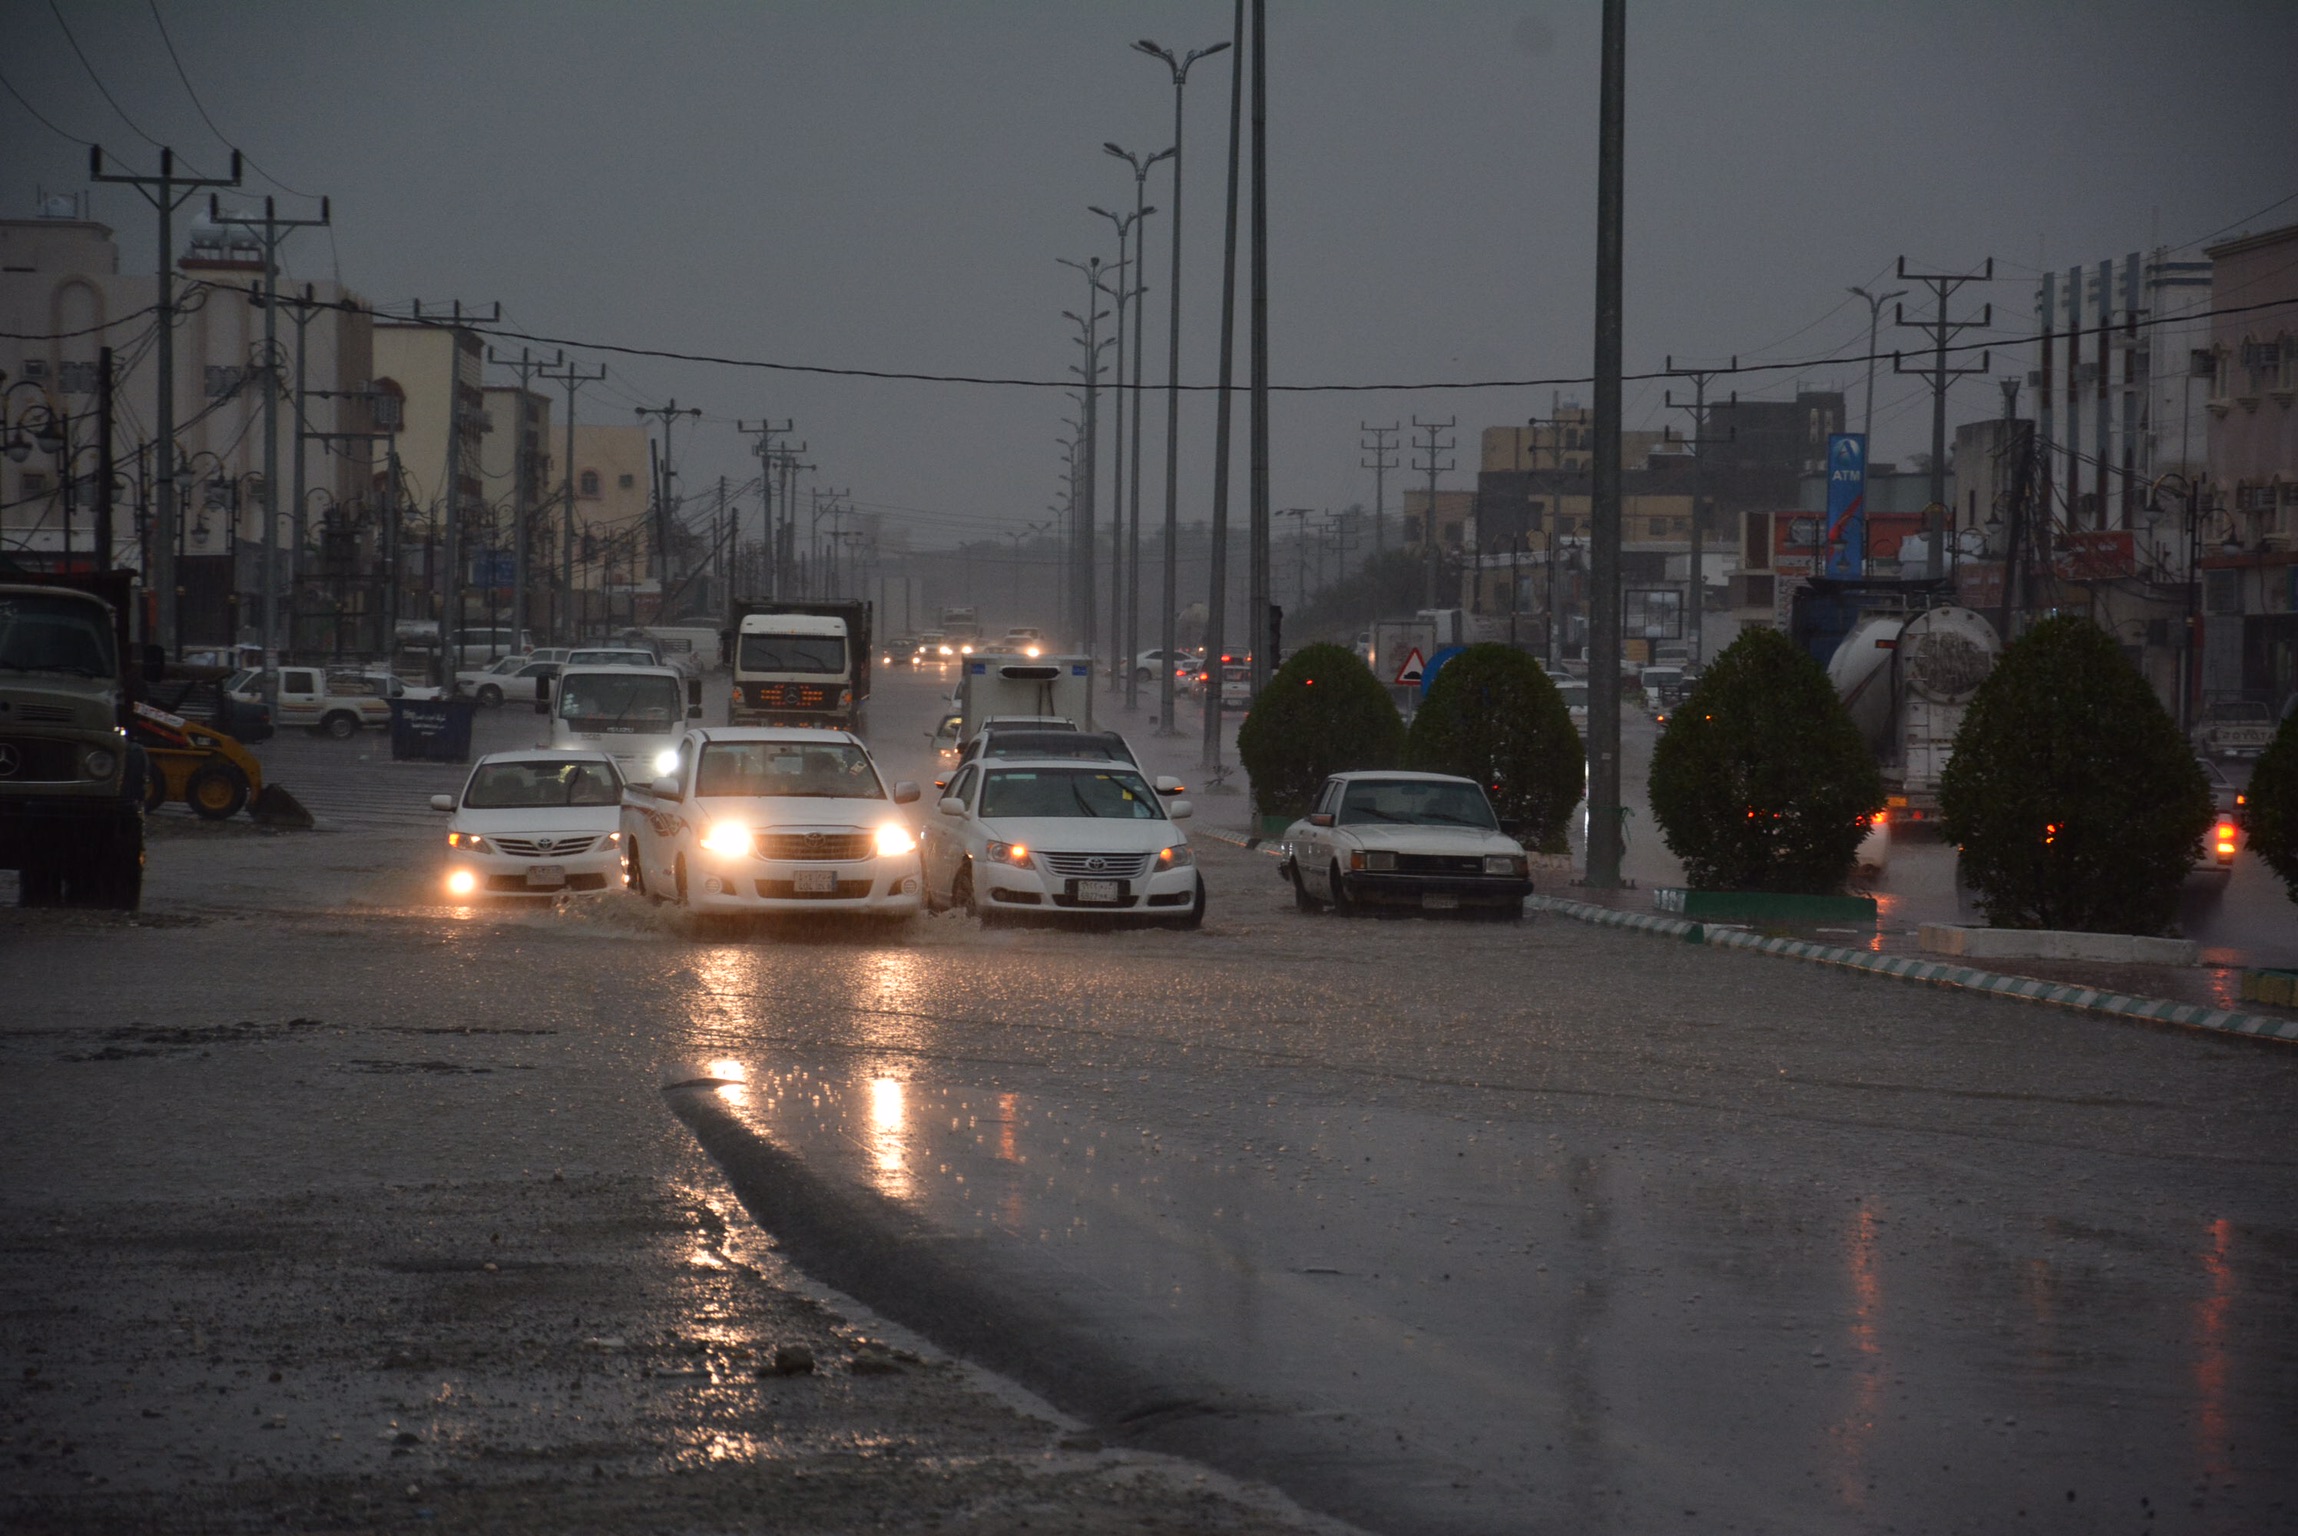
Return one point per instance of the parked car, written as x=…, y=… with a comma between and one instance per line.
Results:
x=1061, y=838
x=2234, y=728
x=514, y=678
x=1150, y=663
x=1575, y=692
x=1426, y=840
x=534, y=823
x=334, y=704
x=766, y=819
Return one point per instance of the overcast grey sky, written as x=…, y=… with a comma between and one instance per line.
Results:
x=888, y=186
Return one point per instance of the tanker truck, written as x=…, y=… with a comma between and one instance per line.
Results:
x=1907, y=679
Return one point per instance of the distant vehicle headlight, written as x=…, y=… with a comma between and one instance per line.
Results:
x=1016, y=854
x=1503, y=864
x=946, y=651
x=728, y=839
x=894, y=840
x=1178, y=856
x=666, y=761
x=100, y=764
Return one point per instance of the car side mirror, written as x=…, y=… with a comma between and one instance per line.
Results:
x=1168, y=785
x=950, y=805
x=1178, y=811
x=1320, y=818
x=155, y=663
x=442, y=802
x=905, y=792
x=666, y=787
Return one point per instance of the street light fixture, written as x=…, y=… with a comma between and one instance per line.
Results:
x=1875, y=303
x=1140, y=167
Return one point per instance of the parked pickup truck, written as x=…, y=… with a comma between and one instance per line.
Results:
x=2234, y=728
x=334, y=704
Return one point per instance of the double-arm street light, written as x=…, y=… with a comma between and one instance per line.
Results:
x=1875, y=303
x=1141, y=210
x=1129, y=297
x=1172, y=591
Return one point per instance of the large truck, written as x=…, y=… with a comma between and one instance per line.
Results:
x=1020, y=687
x=71, y=781
x=1907, y=678
x=800, y=664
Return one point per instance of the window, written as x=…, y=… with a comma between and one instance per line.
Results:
x=830, y=770
x=1107, y=794
x=823, y=654
x=625, y=482
x=626, y=702
x=590, y=482
x=962, y=785
x=1422, y=802
x=541, y=784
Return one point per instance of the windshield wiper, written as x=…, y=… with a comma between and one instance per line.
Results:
x=1082, y=803
x=1458, y=821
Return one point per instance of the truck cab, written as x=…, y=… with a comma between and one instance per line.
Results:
x=636, y=715
x=800, y=668
x=71, y=785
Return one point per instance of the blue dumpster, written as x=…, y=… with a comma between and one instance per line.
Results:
x=432, y=730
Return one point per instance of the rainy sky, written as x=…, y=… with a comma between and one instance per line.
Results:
x=888, y=186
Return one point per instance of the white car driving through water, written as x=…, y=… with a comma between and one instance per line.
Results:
x=762, y=819
x=1427, y=840
x=1061, y=837
x=534, y=824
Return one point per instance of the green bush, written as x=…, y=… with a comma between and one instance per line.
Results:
x=1761, y=781
x=2076, y=801
x=2273, y=829
x=1493, y=716
x=1324, y=713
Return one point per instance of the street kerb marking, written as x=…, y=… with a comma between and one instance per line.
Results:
x=2081, y=999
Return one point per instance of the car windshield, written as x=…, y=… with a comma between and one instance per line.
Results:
x=620, y=701
x=40, y=633
x=540, y=783
x=825, y=654
x=828, y=770
x=1416, y=802
x=1108, y=794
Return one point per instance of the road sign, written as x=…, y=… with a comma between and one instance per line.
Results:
x=1436, y=665
x=1413, y=667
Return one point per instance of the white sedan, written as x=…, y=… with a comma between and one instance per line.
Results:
x=535, y=824
x=514, y=678
x=757, y=819
x=1061, y=837
x=1426, y=840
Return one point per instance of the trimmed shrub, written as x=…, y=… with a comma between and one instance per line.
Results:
x=1761, y=781
x=2076, y=801
x=1492, y=715
x=2272, y=823
x=1324, y=713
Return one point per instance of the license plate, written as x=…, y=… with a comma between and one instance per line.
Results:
x=1438, y=901
x=546, y=875
x=814, y=882
x=1100, y=892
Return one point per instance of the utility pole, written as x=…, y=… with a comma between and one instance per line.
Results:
x=106, y=466
x=664, y=477
x=528, y=367
x=1382, y=448
x=1089, y=456
x=1300, y=516
x=1606, y=834
x=765, y=432
x=166, y=192
x=1941, y=329
x=453, y=571
x=273, y=230
x=571, y=378
x=787, y=458
x=1257, y=479
x=301, y=311
x=1695, y=598
x=1432, y=548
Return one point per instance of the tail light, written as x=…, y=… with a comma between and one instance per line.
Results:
x=2223, y=839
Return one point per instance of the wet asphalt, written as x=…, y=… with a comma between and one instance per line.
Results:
x=1432, y=1225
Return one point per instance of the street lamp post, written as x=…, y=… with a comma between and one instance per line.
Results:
x=1141, y=212
x=1172, y=588
x=1875, y=303
x=1129, y=296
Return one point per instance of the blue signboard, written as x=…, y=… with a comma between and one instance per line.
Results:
x=1436, y=665
x=1847, y=506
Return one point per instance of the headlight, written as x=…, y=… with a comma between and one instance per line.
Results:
x=728, y=839
x=469, y=840
x=894, y=840
x=613, y=838
x=666, y=761
x=1503, y=864
x=1380, y=859
x=101, y=763
x=1179, y=856
x=1016, y=854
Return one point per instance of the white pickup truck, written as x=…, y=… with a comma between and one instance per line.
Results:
x=334, y=704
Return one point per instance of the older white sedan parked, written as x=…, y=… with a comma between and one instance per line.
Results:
x=757, y=819
x=1061, y=837
x=1426, y=840
x=535, y=824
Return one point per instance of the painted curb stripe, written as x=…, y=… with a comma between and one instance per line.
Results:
x=2070, y=995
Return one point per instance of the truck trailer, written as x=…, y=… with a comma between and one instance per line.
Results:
x=1907, y=679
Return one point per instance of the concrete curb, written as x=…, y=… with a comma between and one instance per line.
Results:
x=2153, y=1010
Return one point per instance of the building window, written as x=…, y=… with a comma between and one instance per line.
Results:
x=590, y=482
x=625, y=482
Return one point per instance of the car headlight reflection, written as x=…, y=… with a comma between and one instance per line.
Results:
x=1178, y=856
x=666, y=761
x=728, y=840
x=894, y=840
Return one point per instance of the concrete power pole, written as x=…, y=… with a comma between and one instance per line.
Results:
x=568, y=621
x=1383, y=450
x=1606, y=834
x=1941, y=330
x=765, y=432
x=166, y=192
x=1696, y=596
x=527, y=367
x=1431, y=539
x=665, y=475
x=452, y=570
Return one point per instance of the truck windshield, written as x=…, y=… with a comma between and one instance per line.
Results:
x=1415, y=802
x=40, y=633
x=620, y=701
x=825, y=654
x=829, y=770
x=541, y=783
x=1111, y=794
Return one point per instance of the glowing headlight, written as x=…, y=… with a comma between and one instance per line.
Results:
x=1016, y=854
x=894, y=840
x=728, y=839
x=462, y=883
x=946, y=651
x=470, y=840
x=1179, y=856
x=1030, y=650
x=666, y=761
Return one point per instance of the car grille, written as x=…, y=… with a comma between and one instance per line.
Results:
x=1439, y=864
x=1097, y=866
x=532, y=848
x=787, y=890
x=37, y=760
x=44, y=714
x=816, y=845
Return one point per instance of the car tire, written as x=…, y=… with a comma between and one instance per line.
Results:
x=1194, y=918
x=340, y=726
x=491, y=696
x=678, y=873
x=1302, y=900
x=633, y=874
x=1342, y=906
x=216, y=792
x=962, y=897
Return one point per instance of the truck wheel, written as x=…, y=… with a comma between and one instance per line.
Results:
x=340, y=726
x=155, y=787
x=216, y=792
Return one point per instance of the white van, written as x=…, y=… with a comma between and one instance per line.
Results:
x=637, y=715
